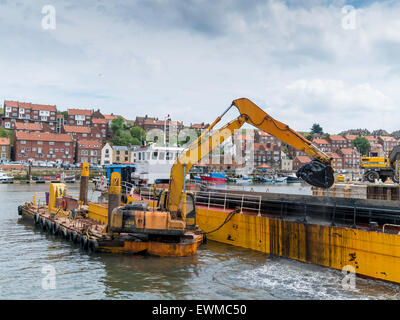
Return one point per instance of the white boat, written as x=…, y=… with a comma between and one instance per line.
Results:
x=4, y=177
x=153, y=164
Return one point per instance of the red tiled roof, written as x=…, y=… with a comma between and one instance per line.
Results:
x=28, y=126
x=45, y=136
x=370, y=138
x=9, y=103
x=4, y=141
x=348, y=151
x=200, y=125
x=25, y=105
x=43, y=107
x=28, y=105
x=386, y=138
x=350, y=136
x=109, y=116
x=337, y=138
x=99, y=121
x=320, y=141
x=76, y=129
x=303, y=159
x=333, y=155
x=83, y=112
x=90, y=144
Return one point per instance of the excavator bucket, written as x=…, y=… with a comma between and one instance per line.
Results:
x=317, y=174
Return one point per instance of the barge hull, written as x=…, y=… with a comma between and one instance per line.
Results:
x=372, y=254
x=186, y=248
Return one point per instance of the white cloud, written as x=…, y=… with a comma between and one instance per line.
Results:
x=191, y=59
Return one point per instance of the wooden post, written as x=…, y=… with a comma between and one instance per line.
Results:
x=83, y=191
x=114, y=196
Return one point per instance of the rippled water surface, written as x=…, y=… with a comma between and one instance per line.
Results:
x=218, y=271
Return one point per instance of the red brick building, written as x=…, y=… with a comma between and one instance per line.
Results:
x=351, y=158
x=88, y=151
x=28, y=127
x=43, y=147
x=322, y=144
x=77, y=132
x=337, y=160
x=350, y=139
x=5, y=149
x=299, y=161
x=387, y=143
x=15, y=111
x=79, y=117
x=99, y=129
x=337, y=142
x=267, y=155
x=139, y=121
x=293, y=152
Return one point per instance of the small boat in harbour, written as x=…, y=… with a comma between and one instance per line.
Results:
x=214, y=177
x=4, y=178
x=293, y=179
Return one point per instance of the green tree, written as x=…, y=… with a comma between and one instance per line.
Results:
x=316, y=128
x=5, y=133
x=309, y=136
x=117, y=124
x=362, y=145
x=123, y=138
x=139, y=135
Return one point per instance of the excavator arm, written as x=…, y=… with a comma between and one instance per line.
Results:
x=318, y=172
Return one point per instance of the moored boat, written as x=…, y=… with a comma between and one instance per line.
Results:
x=214, y=177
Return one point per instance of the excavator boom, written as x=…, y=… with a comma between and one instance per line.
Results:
x=317, y=173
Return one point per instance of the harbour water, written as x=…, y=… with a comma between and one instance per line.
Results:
x=218, y=271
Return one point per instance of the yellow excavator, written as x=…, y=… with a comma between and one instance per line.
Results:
x=376, y=168
x=176, y=210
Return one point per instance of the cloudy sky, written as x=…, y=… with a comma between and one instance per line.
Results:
x=301, y=61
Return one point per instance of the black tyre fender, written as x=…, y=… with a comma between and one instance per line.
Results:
x=20, y=210
x=49, y=226
x=43, y=223
x=93, y=245
x=84, y=242
x=64, y=233
x=73, y=236
x=36, y=218
x=56, y=228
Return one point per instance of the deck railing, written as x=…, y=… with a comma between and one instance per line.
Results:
x=212, y=199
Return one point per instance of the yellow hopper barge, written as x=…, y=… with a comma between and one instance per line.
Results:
x=86, y=224
x=358, y=235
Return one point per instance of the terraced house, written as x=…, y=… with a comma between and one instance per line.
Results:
x=88, y=151
x=26, y=112
x=43, y=146
x=5, y=149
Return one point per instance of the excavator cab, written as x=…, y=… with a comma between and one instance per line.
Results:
x=186, y=211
